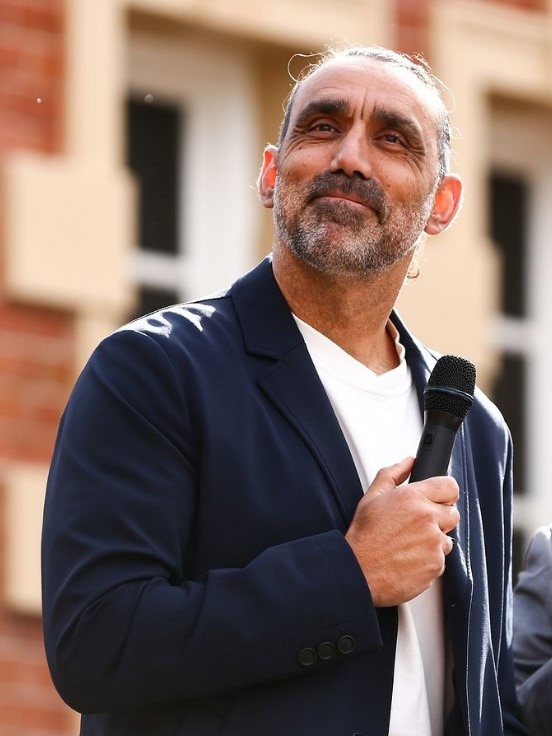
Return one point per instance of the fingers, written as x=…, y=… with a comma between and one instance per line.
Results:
x=441, y=489
x=392, y=476
x=400, y=532
x=438, y=494
x=448, y=545
x=447, y=517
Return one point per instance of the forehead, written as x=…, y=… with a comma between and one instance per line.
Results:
x=366, y=83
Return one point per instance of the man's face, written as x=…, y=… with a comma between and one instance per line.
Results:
x=357, y=171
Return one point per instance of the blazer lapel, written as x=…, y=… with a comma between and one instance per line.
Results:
x=457, y=579
x=286, y=374
x=458, y=573
x=294, y=387
x=421, y=362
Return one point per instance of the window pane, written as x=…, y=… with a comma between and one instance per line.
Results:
x=153, y=147
x=151, y=298
x=509, y=395
x=508, y=215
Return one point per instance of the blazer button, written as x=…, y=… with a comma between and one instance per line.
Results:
x=307, y=657
x=345, y=644
x=326, y=650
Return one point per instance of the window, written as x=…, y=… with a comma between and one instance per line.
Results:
x=508, y=197
x=508, y=209
x=193, y=145
x=520, y=222
x=153, y=154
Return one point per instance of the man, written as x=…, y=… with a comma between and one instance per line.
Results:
x=533, y=634
x=211, y=565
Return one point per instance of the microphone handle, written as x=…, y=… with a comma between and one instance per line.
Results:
x=436, y=443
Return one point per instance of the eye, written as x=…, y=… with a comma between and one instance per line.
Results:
x=321, y=126
x=393, y=138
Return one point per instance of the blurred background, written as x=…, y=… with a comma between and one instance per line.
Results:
x=131, y=133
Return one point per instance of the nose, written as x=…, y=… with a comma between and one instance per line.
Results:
x=352, y=156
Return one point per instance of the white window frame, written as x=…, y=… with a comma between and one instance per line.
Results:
x=215, y=87
x=521, y=144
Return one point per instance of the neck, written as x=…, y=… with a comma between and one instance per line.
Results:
x=352, y=311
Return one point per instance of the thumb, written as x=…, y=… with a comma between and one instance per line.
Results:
x=391, y=476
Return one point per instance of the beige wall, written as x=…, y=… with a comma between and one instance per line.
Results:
x=307, y=24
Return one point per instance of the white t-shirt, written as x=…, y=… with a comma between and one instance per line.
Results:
x=380, y=418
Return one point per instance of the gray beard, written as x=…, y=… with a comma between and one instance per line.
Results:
x=338, y=241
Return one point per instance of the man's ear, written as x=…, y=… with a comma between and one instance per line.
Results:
x=267, y=176
x=447, y=203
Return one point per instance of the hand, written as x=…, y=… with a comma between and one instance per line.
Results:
x=400, y=534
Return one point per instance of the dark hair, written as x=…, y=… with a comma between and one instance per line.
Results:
x=414, y=64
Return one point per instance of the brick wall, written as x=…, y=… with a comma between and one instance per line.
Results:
x=35, y=372
x=35, y=348
x=28, y=704
x=411, y=26
x=30, y=74
x=412, y=17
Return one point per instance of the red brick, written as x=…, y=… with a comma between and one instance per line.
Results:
x=31, y=68
x=44, y=14
x=538, y=5
x=28, y=701
x=36, y=376
x=412, y=12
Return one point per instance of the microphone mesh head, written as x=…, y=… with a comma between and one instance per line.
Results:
x=451, y=386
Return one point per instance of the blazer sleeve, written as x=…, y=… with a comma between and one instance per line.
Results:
x=533, y=633
x=125, y=623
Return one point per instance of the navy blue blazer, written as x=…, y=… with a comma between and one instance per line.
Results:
x=196, y=580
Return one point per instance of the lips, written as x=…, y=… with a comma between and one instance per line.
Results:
x=346, y=197
x=363, y=192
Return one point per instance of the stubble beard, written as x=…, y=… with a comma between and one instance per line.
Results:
x=338, y=239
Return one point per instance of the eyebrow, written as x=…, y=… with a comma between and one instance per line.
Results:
x=407, y=125
x=325, y=106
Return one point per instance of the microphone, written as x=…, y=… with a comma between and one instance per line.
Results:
x=448, y=397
